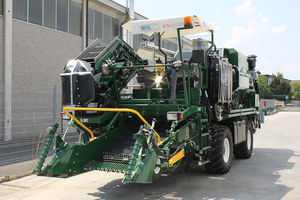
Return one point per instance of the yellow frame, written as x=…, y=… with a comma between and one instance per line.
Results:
x=106, y=110
x=176, y=158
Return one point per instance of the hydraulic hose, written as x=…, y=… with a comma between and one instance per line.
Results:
x=179, y=147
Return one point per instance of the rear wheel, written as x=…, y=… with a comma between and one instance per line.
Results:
x=222, y=150
x=244, y=149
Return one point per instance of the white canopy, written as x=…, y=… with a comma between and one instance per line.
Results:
x=167, y=26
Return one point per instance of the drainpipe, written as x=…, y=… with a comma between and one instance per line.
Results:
x=131, y=9
x=8, y=69
x=127, y=36
x=124, y=31
x=85, y=24
x=131, y=16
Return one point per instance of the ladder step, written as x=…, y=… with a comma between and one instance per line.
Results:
x=204, y=134
x=107, y=78
x=200, y=163
x=203, y=86
x=206, y=148
x=104, y=83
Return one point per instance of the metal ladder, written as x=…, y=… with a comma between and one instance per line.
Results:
x=204, y=142
x=204, y=132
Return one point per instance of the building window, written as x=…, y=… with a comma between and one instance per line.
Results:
x=65, y=15
x=62, y=15
x=91, y=16
x=49, y=13
x=75, y=17
x=115, y=27
x=35, y=11
x=107, y=28
x=98, y=24
x=20, y=9
x=120, y=28
x=1, y=7
x=168, y=45
x=163, y=43
x=173, y=46
x=137, y=40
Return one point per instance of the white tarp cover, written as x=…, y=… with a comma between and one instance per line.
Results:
x=167, y=26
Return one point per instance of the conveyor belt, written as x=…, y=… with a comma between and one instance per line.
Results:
x=92, y=51
x=120, y=150
x=116, y=157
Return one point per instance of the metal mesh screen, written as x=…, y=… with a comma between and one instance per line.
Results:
x=34, y=109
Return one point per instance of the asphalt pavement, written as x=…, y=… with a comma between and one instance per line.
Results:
x=273, y=172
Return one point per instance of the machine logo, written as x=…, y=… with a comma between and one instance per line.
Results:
x=150, y=27
x=166, y=26
x=146, y=28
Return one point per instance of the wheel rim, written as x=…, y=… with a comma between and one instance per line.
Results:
x=226, y=152
x=249, y=140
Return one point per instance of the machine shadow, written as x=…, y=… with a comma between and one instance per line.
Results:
x=256, y=178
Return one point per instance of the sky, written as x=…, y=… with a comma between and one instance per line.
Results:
x=269, y=29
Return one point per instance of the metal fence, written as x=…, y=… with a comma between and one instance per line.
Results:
x=271, y=106
x=34, y=109
x=292, y=106
x=296, y=102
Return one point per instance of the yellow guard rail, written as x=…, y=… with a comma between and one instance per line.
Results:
x=176, y=158
x=106, y=110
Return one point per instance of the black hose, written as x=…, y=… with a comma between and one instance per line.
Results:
x=256, y=87
x=208, y=106
x=179, y=147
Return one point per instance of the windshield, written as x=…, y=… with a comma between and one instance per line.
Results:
x=186, y=55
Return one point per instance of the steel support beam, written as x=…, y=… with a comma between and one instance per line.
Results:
x=8, y=69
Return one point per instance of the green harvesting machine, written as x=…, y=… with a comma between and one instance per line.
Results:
x=145, y=119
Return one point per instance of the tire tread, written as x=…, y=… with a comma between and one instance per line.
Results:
x=216, y=164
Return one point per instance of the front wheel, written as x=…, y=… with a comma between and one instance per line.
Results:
x=221, y=152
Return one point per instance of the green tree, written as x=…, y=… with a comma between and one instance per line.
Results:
x=295, y=90
x=278, y=75
x=265, y=91
x=279, y=85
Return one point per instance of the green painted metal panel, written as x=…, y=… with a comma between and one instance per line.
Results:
x=71, y=158
x=97, y=119
x=152, y=109
x=144, y=170
x=232, y=56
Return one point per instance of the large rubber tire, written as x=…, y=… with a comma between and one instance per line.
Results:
x=184, y=164
x=244, y=150
x=221, y=152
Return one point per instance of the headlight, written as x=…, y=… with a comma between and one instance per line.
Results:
x=173, y=116
x=158, y=79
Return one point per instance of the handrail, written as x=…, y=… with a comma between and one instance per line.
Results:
x=107, y=110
